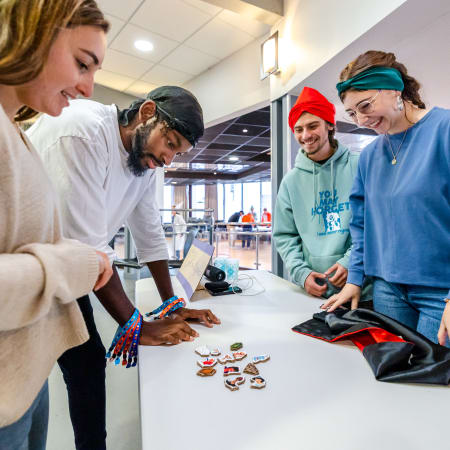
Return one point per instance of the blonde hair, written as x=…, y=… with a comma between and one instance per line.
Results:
x=28, y=30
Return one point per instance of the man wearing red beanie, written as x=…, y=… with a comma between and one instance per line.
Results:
x=312, y=214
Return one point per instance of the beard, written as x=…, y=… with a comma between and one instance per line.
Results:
x=138, y=145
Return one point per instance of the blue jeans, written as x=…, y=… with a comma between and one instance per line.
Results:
x=30, y=431
x=418, y=307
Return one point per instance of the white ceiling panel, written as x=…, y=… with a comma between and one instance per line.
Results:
x=219, y=39
x=250, y=26
x=118, y=8
x=140, y=88
x=161, y=75
x=189, y=60
x=116, y=25
x=124, y=42
x=112, y=80
x=125, y=64
x=204, y=6
x=173, y=19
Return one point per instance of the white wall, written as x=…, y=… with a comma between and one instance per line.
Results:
x=313, y=31
x=107, y=96
x=232, y=87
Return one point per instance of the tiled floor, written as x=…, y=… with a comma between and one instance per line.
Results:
x=122, y=409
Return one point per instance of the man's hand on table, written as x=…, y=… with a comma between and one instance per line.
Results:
x=204, y=316
x=166, y=331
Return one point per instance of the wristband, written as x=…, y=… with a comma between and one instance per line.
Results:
x=167, y=308
x=126, y=340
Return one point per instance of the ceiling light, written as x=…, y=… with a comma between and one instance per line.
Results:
x=233, y=158
x=245, y=130
x=174, y=182
x=215, y=173
x=143, y=46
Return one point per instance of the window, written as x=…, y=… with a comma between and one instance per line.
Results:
x=167, y=202
x=233, y=199
x=198, y=200
x=252, y=198
x=266, y=196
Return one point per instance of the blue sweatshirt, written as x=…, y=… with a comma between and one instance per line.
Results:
x=400, y=223
x=312, y=214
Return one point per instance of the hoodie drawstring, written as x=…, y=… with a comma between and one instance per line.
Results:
x=332, y=181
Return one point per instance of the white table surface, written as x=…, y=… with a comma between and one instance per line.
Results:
x=319, y=396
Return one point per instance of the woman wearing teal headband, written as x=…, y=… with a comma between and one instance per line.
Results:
x=400, y=198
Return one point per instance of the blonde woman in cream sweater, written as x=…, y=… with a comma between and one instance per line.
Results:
x=49, y=52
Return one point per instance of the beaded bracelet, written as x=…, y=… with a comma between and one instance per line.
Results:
x=167, y=308
x=125, y=341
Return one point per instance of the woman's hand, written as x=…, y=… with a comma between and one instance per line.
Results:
x=104, y=270
x=350, y=292
x=444, y=329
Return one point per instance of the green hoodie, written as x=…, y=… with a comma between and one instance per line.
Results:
x=312, y=214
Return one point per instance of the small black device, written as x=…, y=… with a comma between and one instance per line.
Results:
x=230, y=290
x=214, y=274
x=217, y=286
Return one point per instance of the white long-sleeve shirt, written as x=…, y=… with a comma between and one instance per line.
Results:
x=85, y=158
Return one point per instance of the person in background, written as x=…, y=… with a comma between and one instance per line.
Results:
x=49, y=52
x=400, y=197
x=311, y=221
x=179, y=230
x=246, y=219
x=235, y=216
x=266, y=217
x=102, y=162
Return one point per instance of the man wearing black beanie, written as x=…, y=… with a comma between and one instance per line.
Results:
x=101, y=161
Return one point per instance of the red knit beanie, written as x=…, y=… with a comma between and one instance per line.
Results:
x=314, y=102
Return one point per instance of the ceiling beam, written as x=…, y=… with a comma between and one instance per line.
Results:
x=265, y=11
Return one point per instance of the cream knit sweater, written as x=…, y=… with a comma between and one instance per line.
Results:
x=41, y=275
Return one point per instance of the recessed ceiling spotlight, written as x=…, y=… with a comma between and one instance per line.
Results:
x=245, y=130
x=143, y=46
x=233, y=158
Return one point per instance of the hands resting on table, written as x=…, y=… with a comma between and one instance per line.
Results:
x=174, y=329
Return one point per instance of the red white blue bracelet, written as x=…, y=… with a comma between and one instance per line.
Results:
x=126, y=340
x=167, y=308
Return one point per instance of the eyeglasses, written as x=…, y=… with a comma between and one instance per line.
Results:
x=365, y=107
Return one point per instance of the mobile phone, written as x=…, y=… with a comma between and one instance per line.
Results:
x=230, y=290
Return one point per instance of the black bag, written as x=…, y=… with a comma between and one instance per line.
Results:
x=394, y=351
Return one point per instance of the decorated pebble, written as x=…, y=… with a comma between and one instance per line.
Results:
x=236, y=346
x=251, y=369
x=206, y=372
x=257, y=382
x=215, y=352
x=231, y=370
x=233, y=384
x=260, y=358
x=210, y=362
x=239, y=355
x=203, y=350
x=226, y=358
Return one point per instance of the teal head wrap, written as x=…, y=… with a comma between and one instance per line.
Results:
x=374, y=78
